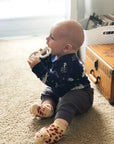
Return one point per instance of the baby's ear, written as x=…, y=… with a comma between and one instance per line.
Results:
x=67, y=48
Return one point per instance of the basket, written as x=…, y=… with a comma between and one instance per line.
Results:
x=100, y=35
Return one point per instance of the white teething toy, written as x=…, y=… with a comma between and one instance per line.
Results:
x=41, y=53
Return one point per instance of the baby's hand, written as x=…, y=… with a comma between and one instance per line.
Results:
x=33, y=61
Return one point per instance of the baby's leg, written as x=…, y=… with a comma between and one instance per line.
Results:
x=74, y=102
x=43, y=110
x=46, y=108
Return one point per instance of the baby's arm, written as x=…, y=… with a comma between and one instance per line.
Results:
x=59, y=77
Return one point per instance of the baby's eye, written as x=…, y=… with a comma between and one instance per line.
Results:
x=41, y=136
x=52, y=37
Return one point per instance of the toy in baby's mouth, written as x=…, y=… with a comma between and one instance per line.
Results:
x=41, y=53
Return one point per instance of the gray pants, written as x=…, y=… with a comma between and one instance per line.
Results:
x=72, y=103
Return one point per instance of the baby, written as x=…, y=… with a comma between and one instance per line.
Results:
x=68, y=91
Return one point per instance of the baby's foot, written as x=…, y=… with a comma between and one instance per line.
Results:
x=50, y=135
x=43, y=111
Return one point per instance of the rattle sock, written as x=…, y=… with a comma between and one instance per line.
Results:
x=51, y=134
x=43, y=110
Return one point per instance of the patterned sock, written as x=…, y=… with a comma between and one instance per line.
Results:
x=51, y=134
x=43, y=110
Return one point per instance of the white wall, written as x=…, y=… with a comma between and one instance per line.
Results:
x=73, y=13
x=87, y=7
x=99, y=6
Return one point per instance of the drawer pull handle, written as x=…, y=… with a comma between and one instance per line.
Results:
x=91, y=71
x=96, y=64
x=95, y=80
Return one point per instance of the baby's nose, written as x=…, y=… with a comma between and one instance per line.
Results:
x=47, y=39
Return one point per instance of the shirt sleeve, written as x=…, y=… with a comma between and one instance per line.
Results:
x=63, y=74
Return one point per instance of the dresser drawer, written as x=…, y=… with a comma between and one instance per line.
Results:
x=100, y=72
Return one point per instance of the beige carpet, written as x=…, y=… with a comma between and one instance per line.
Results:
x=19, y=88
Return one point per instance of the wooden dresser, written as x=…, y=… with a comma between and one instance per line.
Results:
x=99, y=66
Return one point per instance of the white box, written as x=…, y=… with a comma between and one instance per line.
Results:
x=100, y=35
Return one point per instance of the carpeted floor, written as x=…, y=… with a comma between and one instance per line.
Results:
x=19, y=88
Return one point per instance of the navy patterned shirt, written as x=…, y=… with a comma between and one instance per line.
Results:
x=63, y=74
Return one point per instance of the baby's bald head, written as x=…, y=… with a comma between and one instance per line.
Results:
x=71, y=32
